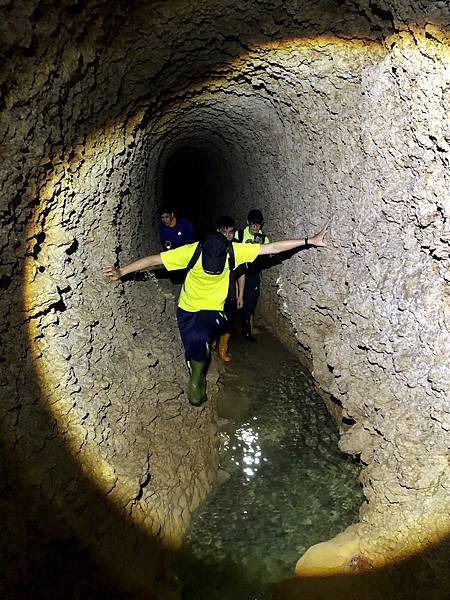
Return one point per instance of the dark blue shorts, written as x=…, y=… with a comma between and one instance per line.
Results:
x=197, y=329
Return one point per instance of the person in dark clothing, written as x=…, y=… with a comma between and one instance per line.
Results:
x=174, y=231
x=252, y=234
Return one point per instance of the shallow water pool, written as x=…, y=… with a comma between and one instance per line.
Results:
x=289, y=487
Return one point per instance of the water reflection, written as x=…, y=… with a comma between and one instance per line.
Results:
x=251, y=450
x=289, y=486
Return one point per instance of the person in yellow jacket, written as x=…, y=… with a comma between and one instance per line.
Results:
x=200, y=305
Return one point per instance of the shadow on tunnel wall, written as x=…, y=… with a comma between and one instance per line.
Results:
x=60, y=537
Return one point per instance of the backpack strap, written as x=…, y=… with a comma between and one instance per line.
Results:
x=240, y=235
x=194, y=257
x=198, y=250
x=231, y=259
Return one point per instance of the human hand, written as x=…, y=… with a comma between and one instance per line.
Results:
x=240, y=302
x=318, y=238
x=112, y=272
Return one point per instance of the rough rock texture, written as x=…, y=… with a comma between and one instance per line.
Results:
x=373, y=311
x=313, y=111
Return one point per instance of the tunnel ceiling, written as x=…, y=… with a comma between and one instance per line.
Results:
x=313, y=111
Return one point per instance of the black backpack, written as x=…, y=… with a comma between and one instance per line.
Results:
x=214, y=261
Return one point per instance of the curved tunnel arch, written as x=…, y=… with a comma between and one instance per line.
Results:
x=215, y=138
x=243, y=189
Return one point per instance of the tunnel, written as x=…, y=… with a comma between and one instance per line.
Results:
x=314, y=112
x=191, y=178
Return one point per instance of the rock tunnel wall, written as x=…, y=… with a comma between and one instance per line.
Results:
x=315, y=112
x=376, y=327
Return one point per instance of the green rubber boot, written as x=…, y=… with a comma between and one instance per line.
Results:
x=197, y=384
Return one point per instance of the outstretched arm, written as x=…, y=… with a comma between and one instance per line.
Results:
x=148, y=262
x=284, y=245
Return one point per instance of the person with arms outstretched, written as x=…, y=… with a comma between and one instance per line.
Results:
x=200, y=312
